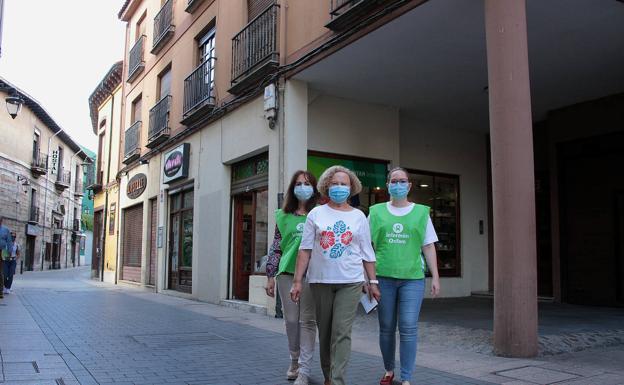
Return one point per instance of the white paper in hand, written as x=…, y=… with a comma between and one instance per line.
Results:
x=368, y=304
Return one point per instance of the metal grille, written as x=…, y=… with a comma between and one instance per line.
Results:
x=40, y=160
x=132, y=140
x=133, y=236
x=64, y=177
x=163, y=21
x=198, y=86
x=256, y=43
x=159, y=118
x=136, y=56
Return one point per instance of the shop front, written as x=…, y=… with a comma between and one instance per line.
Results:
x=132, y=227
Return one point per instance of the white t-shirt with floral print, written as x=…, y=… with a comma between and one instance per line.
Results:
x=340, y=241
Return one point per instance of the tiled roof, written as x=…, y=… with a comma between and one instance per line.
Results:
x=106, y=87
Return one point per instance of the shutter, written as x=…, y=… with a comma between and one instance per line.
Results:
x=255, y=7
x=132, y=242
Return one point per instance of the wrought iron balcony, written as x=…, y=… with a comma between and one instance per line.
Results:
x=92, y=181
x=136, y=62
x=255, y=51
x=63, y=180
x=163, y=26
x=132, y=143
x=33, y=215
x=344, y=13
x=39, y=165
x=78, y=187
x=159, y=122
x=76, y=225
x=199, y=92
x=192, y=5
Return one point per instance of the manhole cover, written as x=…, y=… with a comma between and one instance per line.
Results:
x=536, y=375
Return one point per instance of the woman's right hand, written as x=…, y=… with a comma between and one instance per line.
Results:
x=295, y=291
x=270, y=287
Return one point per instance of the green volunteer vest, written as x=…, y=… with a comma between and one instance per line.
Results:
x=398, y=241
x=291, y=228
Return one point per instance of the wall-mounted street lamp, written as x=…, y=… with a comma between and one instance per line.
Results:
x=14, y=104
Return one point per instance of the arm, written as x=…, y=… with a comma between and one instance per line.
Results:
x=432, y=261
x=275, y=254
x=373, y=288
x=303, y=259
x=368, y=260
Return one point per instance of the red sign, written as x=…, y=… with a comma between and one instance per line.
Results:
x=136, y=186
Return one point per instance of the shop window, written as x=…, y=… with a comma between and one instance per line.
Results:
x=181, y=240
x=441, y=193
x=111, y=219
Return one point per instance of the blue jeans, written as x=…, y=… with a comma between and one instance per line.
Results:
x=400, y=300
x=8, y=272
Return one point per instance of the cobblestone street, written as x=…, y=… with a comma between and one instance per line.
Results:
x=76, y=332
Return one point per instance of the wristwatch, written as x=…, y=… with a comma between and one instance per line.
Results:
x=376, y=282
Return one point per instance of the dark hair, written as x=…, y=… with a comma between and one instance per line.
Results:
x=290, y=200
x=395, y=170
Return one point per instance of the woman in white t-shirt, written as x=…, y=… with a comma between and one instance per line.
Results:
x=335, y=250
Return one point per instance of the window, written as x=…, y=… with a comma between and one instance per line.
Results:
x=164, y=83
x=100, y=156
x=135, y=113
x=206, y=44
x=111, y=218
x=36, y=146
x=441, y=193
x=60, y=163
x=140, y=28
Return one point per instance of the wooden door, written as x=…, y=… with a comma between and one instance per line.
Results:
x=98, y=241
x=243, y=243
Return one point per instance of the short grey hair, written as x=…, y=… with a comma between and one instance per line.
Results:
x=327, y=175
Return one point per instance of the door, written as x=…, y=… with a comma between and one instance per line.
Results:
x=590, y=200
x=132, y=243
x=98, y=235
x=181, y=241
x=151, y=279
x=30, y=253
x=243, y=241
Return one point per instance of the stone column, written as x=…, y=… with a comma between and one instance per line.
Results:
x=513, y=193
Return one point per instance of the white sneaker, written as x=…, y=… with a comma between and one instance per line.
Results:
x=293, y=371
x=302, y=379
x=10, y=291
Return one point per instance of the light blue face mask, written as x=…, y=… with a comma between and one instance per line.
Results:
x=303, y=192
x=339, y=194
x=398, y=190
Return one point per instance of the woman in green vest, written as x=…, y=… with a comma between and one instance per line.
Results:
x=301, y=197
x=401, y=233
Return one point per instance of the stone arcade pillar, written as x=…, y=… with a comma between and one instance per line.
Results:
x=513, y=193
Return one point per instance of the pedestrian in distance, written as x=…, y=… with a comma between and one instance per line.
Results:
x=335, y=251
x=6, y=247
x=401, y=232
x=300, y=198
x=10, y=263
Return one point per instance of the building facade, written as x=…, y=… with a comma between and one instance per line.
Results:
x=41, y=187
x=224, y=100
x=105, y=106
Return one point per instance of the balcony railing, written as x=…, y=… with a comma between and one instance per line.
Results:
x=63, y=180
x=39, y=165
x=78, y=186
x=136, y=63
x=159, y=122
x=255, y=50
x=346, y=12
x=33, y=216
x=93, y=181
x=163, y=26
x=198, y=90
x=192, y=5
x=76, y=224
x=132, y=144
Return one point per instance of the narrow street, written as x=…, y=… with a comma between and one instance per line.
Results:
x=60, y=328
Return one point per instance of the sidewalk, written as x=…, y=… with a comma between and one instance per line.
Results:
x=61, y=328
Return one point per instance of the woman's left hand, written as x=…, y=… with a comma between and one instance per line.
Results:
x=435, y=287
x=373, y=291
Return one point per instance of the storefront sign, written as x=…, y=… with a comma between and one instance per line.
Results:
x=372, y=174
x=176, y=163
x=33, y=230
x=136, y=186
x=54, y=160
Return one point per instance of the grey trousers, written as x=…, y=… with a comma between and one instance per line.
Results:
x=300, y=323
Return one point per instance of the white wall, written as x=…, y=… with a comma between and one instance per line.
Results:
x=460, y=152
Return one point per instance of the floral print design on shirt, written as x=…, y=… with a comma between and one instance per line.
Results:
x=337, y=237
